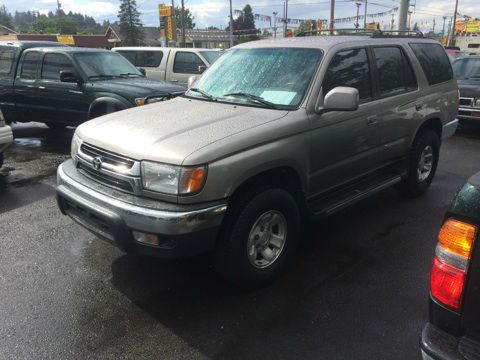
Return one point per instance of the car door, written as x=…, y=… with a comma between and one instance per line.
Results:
x=26, y=88
x=8, y=55
x=344, y=145
x=64, y=102
x=399, y=97
x=184, y=65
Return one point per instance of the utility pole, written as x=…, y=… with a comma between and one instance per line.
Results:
x=443, y=29
x=332, y=14
x=402, y=15
x=409, y=20
x=231, y=24
x=286, y=19
x=183, y=24
x=433, y=29
x=174, y=24
x=392, y=22
x=275, y=24
x=452, y=33
x=357, y=25
x=59, y=7
x=365, y=20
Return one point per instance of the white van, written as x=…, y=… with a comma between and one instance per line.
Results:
x=170, y=64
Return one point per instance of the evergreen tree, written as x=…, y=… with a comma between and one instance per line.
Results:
x=5, y=17
x=189, y=18
x=131, y=28
x=245, y=25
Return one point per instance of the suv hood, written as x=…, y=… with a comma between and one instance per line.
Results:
x=137, y=87
x=170, y=131
x=469, y=88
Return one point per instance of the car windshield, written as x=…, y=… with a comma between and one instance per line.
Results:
x=270, y=77
x=105, y=64
x=467, y=68
x=211, y=56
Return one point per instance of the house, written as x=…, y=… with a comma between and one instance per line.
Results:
x=6, y=31
x=151, y=35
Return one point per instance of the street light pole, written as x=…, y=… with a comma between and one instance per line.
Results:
x=183, y=24
x=286, y=18
x=231, y=24
x=275, y=24
x=332, y=14
x=402, y=15
x=443, y=29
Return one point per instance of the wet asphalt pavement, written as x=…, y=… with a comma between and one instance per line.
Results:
x=357, y=290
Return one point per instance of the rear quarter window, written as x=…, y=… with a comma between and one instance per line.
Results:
x=7, y=58
x=434, y=62
x=30, y=65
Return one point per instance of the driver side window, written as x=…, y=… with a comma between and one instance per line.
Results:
x=349, y=68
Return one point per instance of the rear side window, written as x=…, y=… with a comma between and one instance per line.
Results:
x=395, y=75
x=149, y=58
x=434, y=62
x=7, y=57
x=187, y=63
x=53, y=64
x=129, y=55
x=30, y=65
x=349, y=68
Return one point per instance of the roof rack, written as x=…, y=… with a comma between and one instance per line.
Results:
x=374, y=33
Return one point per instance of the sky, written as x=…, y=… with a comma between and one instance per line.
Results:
x=215, y=12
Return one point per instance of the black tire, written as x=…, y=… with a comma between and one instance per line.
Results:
x=414, y=184
x=231, y=257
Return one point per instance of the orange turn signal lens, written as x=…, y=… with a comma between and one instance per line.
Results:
x=457, y=237
x=193, y=180
x=140, y=101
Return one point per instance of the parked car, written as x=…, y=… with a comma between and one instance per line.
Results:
x=170, y=64
x=455, y=53
x=467, y=70
x=454, y=323
x=6, y=137
x=63, y=86
x=272, y=131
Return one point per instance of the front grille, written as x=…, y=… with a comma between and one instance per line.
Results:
x=466, y=102
x=105, y=178
x=107, y=157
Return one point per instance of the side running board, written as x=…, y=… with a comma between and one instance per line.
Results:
x=355, y=192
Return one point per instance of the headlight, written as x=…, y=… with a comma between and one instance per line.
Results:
x=477, y=103
x=173, y=180
x=76, y=142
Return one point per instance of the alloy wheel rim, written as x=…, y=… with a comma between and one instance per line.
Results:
x=425, y=165
x=267, y=239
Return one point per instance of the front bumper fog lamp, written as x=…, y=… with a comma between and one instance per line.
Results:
x=145, y=238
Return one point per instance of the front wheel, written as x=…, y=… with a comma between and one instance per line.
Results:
x=259, y=238
x=423, y=161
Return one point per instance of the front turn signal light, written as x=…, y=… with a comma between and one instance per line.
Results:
x=193, y=180
x=457, y=237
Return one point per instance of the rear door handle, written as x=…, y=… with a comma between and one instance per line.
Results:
x=419, y=107
x=41, y=87
x=174, y=80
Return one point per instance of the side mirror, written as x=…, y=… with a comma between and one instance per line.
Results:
x=201, y=69
x=68, y=77
x=341, y=98
x=143, y=71
x=191, y=80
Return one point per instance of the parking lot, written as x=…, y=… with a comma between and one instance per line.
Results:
x=358, y=288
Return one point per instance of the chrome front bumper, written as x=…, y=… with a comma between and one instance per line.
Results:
x=449, y=129
x=113, y=217
x=6, y=137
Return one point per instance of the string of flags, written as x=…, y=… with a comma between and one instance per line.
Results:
x=268, y=18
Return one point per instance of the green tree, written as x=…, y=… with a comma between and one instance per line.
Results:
x=131, y=28
x=189, y=18
x=5, y=17
x=245, y=25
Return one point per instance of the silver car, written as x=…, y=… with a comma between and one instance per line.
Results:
x=272, y=132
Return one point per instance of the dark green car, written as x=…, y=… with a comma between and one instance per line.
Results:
x=64, y=86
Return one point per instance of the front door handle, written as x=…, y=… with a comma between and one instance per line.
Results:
x=174, y=80
x=419, y=107
x=372, y=120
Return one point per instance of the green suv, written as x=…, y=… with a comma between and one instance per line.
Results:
x=64, y=86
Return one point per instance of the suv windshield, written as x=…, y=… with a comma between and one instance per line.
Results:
x=105, y=64
x=269, y=77
x=467, y=68
x=211, y=56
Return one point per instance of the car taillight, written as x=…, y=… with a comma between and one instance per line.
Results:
x=449, y=268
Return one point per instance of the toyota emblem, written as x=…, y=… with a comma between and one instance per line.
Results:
x=97, y=163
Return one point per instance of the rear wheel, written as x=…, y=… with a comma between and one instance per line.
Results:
x=423, y=161
x=260, y=234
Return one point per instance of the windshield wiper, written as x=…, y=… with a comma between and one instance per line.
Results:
x=102, y=76
x=203, y=93
x=256, y=98
x=130, y=74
